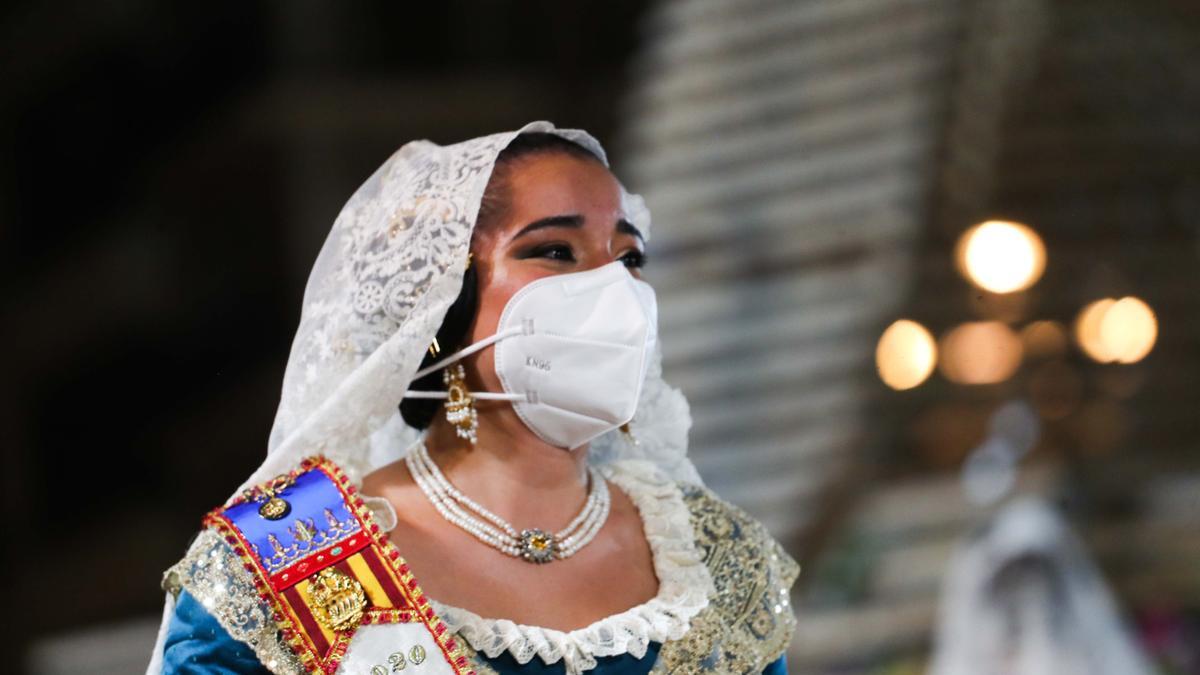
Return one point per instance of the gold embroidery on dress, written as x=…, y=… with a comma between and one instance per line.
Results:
x=748, y=622
x=214, y=575
x=337, y=600
x=747, y=625
x=308, y=540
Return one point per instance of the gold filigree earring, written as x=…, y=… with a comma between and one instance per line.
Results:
x=460, y=405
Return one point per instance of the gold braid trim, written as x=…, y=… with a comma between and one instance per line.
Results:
x=746, y=626
x=250, y=610
x=213, y=574
x=749, y=621
x=453, y=649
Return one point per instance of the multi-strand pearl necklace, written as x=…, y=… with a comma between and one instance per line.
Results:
x=533, y=545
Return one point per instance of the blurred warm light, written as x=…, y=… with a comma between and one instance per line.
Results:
x=1129, y=329
x=1087, y=330
x=1011, y=308
x=1001, y=256
x=980, y=352
x=905, y=355
x=1117, y=331
x=1044, y=338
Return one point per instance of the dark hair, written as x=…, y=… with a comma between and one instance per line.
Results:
x=419, y=412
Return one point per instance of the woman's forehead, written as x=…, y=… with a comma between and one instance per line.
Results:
x=556, y=184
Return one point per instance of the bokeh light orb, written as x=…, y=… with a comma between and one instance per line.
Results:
x=1117, y=331
x=1130, y=329
x=1045, y=339
x=1087, y=330
x=1001, y=256
x=905, y=355
x=980, y=352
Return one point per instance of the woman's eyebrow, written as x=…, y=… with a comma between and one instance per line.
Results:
x=574, y=220
x=626, y=227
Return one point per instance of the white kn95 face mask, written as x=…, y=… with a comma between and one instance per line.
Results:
x=571, y=353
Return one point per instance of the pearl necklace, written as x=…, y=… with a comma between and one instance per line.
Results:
x=532, y=545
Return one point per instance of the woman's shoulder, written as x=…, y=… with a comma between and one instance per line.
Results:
x=291, y=526
x=719, y=521
x=716, y=524
x=214, y=575
x=750, y=606
x=265, y=540
x=748, y=621
x=739, y=550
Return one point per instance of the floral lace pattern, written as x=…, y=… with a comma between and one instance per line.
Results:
x=386, y=275
x=722, y=605
x=389, y=270
x=684, y=588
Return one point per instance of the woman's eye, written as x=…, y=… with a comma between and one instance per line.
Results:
x=634, y=259
x=554, y=252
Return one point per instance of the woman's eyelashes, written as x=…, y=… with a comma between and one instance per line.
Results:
x=560, y=252
x=632, y=258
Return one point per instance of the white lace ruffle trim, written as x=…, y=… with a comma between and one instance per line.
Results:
x=684, y=588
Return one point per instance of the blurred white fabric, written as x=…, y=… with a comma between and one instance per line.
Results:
x=1023, y=598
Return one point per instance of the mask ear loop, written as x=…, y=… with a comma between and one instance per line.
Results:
x=525, y=328
x=478, y=395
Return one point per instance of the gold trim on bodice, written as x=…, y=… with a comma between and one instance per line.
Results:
x=749, y=621
x=746, y=625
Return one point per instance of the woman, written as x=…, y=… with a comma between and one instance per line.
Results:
x=535, y=470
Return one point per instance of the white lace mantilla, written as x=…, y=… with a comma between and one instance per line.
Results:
x=683, y=591
x=390, y=268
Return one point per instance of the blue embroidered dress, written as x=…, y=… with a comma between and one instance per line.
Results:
x=722, y=604
x=196, y=643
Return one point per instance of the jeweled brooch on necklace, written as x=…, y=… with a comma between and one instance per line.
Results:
x=538, y=546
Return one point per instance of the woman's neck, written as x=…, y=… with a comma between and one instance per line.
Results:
x=511, y=471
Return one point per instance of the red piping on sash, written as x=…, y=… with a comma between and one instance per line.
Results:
x=304, y=614
x=306, y=640
x=386, y=581
x=294, y=574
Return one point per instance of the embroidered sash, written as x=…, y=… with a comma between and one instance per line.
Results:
x=339, y=592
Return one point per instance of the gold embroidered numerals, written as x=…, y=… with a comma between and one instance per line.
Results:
x=416, y=656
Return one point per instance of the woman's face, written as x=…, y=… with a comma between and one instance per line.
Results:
x=563, y=214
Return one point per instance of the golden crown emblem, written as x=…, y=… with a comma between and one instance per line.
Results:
x=337, y=600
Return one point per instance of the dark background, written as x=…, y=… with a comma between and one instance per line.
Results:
x=168, y=172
